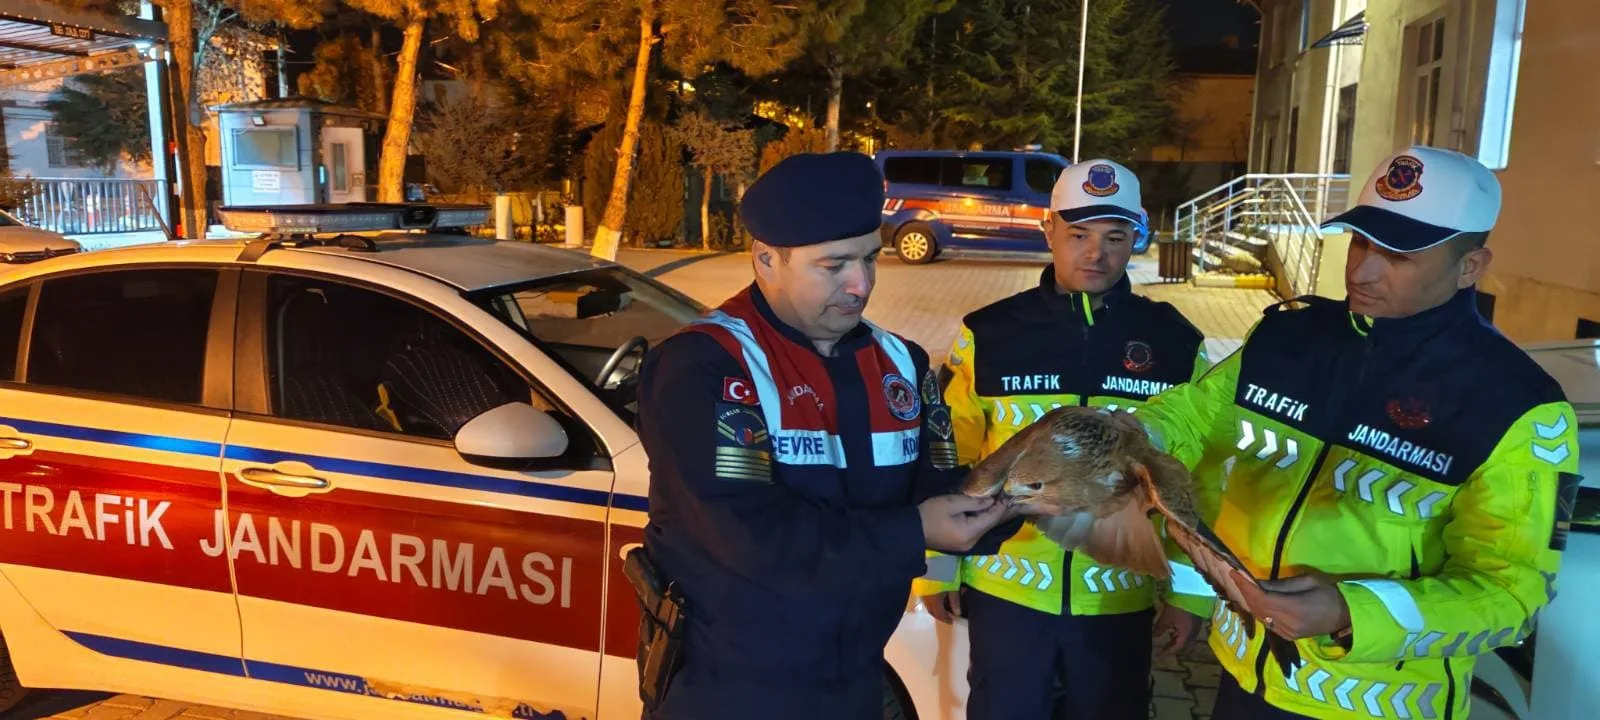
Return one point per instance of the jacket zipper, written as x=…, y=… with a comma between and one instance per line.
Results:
x=1083, y=365
x=1277, y=554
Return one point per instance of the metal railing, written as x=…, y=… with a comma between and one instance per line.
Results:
x=83, y=206
x=1236, y=227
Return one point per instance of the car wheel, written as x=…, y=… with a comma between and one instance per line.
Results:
x=11, y=691
x=896, y=705
x=915, y=243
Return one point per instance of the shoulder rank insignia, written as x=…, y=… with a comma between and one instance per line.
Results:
x=743, y=449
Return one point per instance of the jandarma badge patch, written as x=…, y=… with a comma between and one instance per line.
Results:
x=743, y=446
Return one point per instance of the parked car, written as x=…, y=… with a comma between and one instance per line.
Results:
x=329, y=475
x=979, y=202
x=20, y=243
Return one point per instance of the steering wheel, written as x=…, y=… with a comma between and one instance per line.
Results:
x=615, y=361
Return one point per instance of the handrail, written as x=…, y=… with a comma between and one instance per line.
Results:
x=1277, y=207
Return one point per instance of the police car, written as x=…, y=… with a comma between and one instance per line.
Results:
x=331, y=472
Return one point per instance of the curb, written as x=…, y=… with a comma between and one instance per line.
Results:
x=1258, y=281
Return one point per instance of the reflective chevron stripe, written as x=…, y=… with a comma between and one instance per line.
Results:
x=1270, y=445
x=1021, y=571
x=1393, y=497
x=1406, y=701
x=1342, y=693
x=1109, y=579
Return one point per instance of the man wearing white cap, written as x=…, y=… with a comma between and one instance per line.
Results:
x=1038, y=615
x=1397, y=475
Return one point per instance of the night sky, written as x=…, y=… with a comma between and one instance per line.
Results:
x=1206, y=22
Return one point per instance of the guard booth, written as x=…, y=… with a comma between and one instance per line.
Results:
x=297, y=151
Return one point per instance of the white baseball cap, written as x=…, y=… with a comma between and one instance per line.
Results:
x=1421, y=197
x=1097, y=189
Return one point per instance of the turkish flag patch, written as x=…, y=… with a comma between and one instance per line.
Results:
x=738, y=390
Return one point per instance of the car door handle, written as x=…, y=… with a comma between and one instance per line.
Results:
x=14, y=443
x=270, y=478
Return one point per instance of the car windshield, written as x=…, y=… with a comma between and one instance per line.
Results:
x=1577, y=368
x=598, y=323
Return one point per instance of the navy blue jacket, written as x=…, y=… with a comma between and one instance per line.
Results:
x=796, y=583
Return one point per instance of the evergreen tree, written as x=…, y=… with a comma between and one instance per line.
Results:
x=607, y=39
x=1003, y=74
x=460, y=17
x=104, y=118
x=855, y=37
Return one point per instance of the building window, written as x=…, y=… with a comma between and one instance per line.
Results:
x=1268, y=162
x=1272, y=25
x=341, y=167
x=1587, y=330
x=1427, y=74
x=1344, y=128
x=59, y=154
x=1294, y=139
x=1500, y=89
x=1305, y=25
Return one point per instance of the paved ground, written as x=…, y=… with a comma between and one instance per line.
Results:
x=924, y=303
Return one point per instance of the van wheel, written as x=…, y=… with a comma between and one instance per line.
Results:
x=896, y=706
x=915, y=243
x=11, y=691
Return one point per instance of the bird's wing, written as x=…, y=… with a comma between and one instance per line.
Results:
x=1211, y=557
x=1126, y=539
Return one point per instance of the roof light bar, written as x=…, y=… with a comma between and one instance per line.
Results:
x=352, y=217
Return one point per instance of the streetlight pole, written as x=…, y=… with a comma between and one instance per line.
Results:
x=1083, y=40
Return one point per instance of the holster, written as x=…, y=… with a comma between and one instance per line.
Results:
x=661, y=625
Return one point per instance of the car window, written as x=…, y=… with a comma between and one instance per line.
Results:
x=978, y=173
x=139, y=333
x=13, y=303
x=1041, y=175
x=915, y=170
x=353, y=357
x=585, y=318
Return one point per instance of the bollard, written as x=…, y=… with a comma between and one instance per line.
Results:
x=503, y=229
x=575, y=225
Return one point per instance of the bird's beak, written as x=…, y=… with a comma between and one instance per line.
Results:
x=1020, y=492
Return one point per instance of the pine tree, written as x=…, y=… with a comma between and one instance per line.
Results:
x=105, y=118
x=461, y=17
x=607, y=39
x=856, y=37
x=1003, y=74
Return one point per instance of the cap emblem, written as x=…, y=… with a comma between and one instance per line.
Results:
x=1403, y=181
x=1102, y=181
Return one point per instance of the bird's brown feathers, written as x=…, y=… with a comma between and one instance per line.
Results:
x=1100, y=477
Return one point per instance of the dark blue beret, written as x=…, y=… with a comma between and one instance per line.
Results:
x=814, y=198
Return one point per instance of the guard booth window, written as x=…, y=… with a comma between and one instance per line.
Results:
x=266, y=148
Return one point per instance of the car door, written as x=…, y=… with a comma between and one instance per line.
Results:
x=112, y=418
x=371, y=558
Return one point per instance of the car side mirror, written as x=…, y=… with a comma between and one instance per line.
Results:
x=514, y=436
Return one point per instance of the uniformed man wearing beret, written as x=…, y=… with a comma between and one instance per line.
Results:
x=801, y=463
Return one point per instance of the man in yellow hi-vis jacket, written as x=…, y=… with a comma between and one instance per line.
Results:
x=1397, y=474
x=1036, y=612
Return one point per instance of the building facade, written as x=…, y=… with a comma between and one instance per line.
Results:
x=1341, y=84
